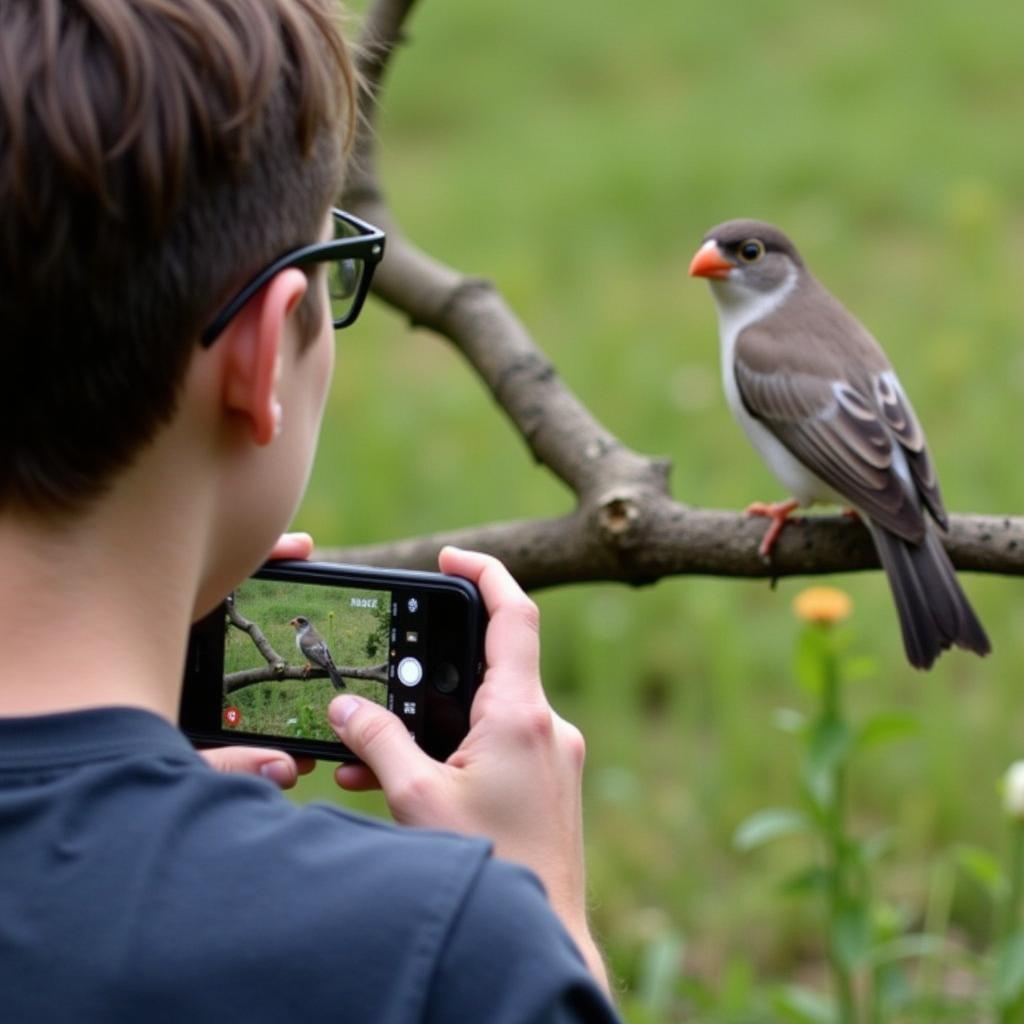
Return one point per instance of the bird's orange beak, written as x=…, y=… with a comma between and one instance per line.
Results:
x=709, y=262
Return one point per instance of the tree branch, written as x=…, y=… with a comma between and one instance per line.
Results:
x=626, y=525
x=250, y=676
x=639, y=541
x=258, y=637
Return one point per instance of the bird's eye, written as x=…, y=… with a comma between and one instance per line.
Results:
x=751, y=250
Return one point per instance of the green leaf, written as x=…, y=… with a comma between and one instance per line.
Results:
x=859, y=668
x=768, y=824
x=828, y=746
x=814, y=878
x=1009, y=980
x=983, y=867
x=659, y=971
x=908, y=947
x=885, y=728
x=802, y=1006
x=851, y=936
x=892, y=989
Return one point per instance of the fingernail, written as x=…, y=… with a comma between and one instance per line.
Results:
x=339, y=711
x=278, y=772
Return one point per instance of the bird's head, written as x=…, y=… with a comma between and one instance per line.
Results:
x=300, y=623
x=746, y=259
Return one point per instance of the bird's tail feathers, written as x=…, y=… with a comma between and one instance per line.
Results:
x=933, y=609
x=337, y=681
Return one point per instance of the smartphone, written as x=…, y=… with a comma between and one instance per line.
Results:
x=262, y=667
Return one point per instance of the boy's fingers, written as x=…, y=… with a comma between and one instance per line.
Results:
x=356, y=778
x=379, y=739
x=513, y=634
x=274, y=765
x=293, y=545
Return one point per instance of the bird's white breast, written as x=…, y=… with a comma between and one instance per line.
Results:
x=739, y=307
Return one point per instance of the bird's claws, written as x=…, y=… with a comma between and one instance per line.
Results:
x=778, y=512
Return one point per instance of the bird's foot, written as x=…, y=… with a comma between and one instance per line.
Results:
x=778, y=512
x=851, y=513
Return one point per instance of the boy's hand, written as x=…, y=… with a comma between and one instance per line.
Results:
x=515, y=779
x=275, y=765
x=293, y=545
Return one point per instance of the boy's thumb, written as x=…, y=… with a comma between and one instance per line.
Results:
x=377, y=737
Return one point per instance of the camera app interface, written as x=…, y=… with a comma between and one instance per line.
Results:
x=290, y=648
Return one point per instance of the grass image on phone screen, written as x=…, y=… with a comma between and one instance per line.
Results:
x=266, y=620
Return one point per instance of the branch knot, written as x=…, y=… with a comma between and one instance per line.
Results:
x=618, y=518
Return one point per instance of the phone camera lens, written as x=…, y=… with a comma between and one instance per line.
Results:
x=446, y=678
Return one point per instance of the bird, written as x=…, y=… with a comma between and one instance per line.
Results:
x=816, y=395
x=314, y=649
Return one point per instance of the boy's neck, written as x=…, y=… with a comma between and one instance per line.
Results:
x=95, y=611
x=86, y=621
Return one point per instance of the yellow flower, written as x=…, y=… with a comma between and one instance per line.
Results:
x=825, y=605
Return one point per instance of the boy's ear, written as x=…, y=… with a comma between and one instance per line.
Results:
x=252, y=353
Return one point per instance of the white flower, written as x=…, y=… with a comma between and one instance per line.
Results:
x=1013, y=791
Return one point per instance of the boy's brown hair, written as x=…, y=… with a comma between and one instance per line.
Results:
x=153, y=155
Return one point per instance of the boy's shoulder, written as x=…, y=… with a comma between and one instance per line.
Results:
x=152, y=880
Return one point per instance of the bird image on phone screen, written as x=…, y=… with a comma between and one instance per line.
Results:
x=314, y=649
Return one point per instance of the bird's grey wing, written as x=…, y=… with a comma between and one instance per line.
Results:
x=833, y=429
x=325, y=658
x=895, y=409
x=318, y=653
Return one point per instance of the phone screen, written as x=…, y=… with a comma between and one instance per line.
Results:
x=328, y=639
x=263, y=667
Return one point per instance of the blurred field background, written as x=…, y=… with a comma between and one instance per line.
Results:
x=575, y=153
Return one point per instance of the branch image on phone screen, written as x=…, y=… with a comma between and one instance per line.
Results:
x=290, y=648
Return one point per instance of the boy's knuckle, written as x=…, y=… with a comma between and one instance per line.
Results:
x=526, y=610
x=413, y=792
x=536, y=725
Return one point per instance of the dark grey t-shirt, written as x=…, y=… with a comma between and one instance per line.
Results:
x=137, y=884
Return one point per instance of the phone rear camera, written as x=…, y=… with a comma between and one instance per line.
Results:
x=446, y=677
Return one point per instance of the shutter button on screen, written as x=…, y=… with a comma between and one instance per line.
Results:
x=410, y=671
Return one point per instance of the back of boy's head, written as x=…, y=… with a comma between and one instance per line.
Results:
x=153, y=155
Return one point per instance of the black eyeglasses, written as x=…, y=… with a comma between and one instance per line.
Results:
x=353, y=255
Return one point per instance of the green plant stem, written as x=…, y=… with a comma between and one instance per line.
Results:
x=1014, y=1012
x=936, y=923
x=831, y=711
x=1013, y=901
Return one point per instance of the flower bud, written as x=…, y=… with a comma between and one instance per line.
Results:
x=1013, y=791
x=824, y=605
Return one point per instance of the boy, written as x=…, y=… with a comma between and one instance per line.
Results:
x=166, y=374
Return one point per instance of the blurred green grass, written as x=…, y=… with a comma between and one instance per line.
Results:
x=575, y=153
